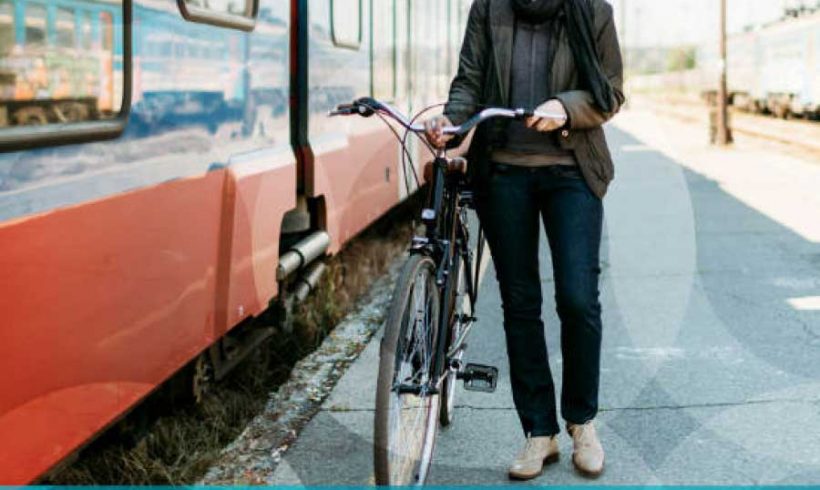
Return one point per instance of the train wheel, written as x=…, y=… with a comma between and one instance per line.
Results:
x=192, y=384
x=202, y=378
x=71, y=112
x=781, y=110
x=31, y=116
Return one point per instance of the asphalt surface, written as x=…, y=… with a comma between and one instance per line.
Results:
x=711, y=356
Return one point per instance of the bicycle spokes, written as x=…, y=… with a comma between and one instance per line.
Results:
x=411, y=402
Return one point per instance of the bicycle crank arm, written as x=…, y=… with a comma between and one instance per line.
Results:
x=459, y=345
x=419, y=390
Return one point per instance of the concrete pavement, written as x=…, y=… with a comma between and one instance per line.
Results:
x=711, y=357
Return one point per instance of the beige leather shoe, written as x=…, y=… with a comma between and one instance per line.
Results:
x=588, y=454
x=537, y=452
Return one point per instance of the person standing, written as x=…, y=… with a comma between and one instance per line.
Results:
x=557, y=57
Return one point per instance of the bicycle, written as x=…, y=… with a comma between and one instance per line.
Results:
x=431, y=313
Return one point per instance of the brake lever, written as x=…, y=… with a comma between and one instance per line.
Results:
x=367, y=106
x=343, y=110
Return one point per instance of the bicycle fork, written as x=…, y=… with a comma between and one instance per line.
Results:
x=441, y=219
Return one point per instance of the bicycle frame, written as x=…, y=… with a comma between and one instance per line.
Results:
x=447, y=241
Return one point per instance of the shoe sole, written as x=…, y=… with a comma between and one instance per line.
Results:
x=547, y=461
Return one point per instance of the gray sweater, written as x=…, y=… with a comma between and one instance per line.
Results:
x=534, y=49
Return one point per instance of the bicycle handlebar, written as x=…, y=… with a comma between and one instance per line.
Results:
x=367, y=107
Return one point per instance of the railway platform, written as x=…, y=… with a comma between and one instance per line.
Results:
x=711, y=298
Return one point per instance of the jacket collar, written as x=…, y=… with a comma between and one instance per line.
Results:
x=502, y=25
x=502, y=31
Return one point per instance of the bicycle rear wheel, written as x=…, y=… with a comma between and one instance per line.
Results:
x=406, y=424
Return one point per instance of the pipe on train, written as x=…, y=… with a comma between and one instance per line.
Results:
x=308, y=281
x=302, y=254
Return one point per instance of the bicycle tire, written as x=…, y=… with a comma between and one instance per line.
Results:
x=397, y=463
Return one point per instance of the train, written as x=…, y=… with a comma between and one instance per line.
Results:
x=170, y=182
x=772, y=69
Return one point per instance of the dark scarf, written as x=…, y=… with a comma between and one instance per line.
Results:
x=580, y=28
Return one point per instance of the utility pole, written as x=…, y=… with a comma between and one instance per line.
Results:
x=624, y=46
x=624, y=52
x=723, y=136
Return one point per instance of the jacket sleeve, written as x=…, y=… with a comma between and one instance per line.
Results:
x=579, y=104
x=466, y=88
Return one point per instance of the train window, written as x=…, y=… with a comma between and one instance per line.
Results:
x=383, y=50
x=86, y=32
x=66, y=28
x=443, y=38
x=346, y=23
x=35, y=25
x=64, y=73
x=233, y=7
x=235, y=14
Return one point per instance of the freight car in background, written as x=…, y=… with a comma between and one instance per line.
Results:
x=773, y=69
x=159, y=163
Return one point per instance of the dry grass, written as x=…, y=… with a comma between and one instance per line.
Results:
x=347, y=279
x=159, y=444
x=179, y=445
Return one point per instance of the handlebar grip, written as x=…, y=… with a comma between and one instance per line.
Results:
x=548, y=115
x=525, y=114
x=359, y=107
x=343, y=110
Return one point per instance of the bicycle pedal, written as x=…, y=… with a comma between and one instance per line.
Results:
x=478, y=377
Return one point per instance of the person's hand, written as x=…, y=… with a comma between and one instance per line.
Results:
x=545, y=125
x=434, y=134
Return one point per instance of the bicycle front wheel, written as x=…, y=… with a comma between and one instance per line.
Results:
x=406, y=422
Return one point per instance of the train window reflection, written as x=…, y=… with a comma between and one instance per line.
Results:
x=60, y=62
x=6, y=26
x=384, y=49
x=346, y=23
x=65, y=28
x=233, y=7
x=86, y=32
x=35, y=25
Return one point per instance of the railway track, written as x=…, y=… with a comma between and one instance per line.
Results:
x=798, y=133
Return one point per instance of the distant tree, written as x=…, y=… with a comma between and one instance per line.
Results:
x=682, y=58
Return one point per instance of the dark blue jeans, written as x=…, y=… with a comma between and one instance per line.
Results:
x=516, y=198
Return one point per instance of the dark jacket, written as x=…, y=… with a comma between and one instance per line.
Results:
x=483, y=80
